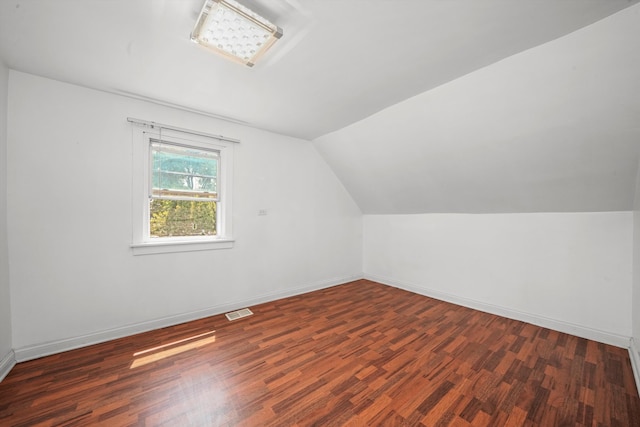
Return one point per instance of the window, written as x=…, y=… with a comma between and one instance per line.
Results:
x=181, y=190
x=183, y=197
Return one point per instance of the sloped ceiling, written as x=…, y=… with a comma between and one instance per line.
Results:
x=418, y=105
x=338, y=62
x=552, y=129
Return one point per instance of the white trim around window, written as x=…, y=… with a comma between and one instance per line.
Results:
x=142, y=243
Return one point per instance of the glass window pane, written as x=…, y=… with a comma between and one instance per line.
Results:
x=174, y=218
x=183, y=171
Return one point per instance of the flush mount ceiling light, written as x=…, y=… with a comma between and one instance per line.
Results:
x=230, y=29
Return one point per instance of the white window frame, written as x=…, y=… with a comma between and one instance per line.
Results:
x=142, y=242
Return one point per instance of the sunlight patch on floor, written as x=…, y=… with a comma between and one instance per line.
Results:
x=176, y=347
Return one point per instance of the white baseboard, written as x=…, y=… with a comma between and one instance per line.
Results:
x=635, y=362
x=557, y=325
x=45, y=349
x=6, y=364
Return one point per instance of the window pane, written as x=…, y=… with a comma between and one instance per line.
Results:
x=183, y=171
x=182, y=218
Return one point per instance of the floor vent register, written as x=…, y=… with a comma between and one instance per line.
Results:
x=239, y=314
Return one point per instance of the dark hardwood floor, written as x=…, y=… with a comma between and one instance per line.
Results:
x=359, y=354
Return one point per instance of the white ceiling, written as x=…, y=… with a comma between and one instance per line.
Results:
x=338, y=62
x=553, y=129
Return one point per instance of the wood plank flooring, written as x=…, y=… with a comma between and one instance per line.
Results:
x=359, y=354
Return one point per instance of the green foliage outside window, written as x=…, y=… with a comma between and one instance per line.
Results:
x=182, y=218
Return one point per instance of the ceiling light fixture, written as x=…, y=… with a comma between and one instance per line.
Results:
x=232, y=30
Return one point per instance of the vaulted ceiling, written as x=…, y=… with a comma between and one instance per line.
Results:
x=552, y=129
x=418, y=105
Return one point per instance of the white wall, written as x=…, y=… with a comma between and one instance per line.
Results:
x=635, y=317
x=69, y=211
x=567, y=271
x=5, y=306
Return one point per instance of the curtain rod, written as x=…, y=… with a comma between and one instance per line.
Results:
x=154, y=125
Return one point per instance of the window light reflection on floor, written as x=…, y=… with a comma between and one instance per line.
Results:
x=234, y=31
x=157, y=353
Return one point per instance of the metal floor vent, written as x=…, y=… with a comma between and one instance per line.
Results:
x=238, y=314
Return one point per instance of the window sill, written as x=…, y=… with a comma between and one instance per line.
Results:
x=172, y=246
